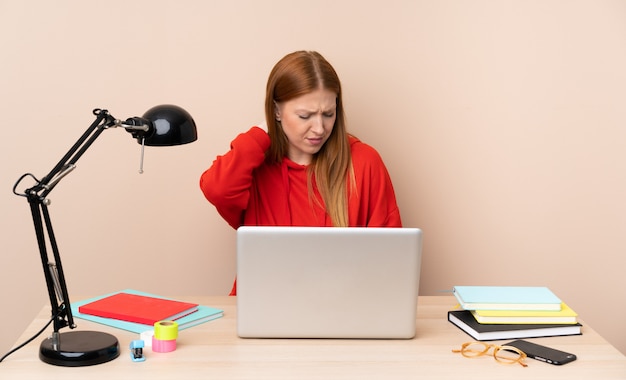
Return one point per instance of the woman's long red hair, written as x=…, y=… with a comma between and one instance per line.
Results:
x=297, y=74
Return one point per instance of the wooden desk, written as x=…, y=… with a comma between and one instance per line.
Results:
x=213, y=351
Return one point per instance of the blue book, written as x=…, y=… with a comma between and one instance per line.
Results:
x=506, y=298
x=204, y=314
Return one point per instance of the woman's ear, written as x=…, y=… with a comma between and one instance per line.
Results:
x=276, y=111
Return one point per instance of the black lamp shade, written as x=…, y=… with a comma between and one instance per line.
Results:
x=169, y=125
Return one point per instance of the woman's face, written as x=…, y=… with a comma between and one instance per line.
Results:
x=307, y=121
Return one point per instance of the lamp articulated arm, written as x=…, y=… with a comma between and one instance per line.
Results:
x=37, y=198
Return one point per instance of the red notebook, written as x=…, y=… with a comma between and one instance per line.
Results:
x=138, y=309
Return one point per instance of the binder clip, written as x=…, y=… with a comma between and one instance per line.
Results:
x=136, y=351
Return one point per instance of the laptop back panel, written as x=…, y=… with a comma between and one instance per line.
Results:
x=326, y=282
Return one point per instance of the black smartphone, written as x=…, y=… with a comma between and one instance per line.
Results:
x=543, y=353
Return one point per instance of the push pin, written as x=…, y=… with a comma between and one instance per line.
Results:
x=136, y=351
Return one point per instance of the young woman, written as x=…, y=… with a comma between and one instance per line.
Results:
x=301, y=168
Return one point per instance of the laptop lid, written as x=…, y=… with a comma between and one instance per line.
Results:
x=327, y=282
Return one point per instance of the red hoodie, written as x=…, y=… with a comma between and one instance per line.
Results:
x=246, y=190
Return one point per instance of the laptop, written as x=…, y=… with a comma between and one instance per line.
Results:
x=327, y=282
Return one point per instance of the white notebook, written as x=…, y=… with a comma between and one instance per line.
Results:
x=327, y=282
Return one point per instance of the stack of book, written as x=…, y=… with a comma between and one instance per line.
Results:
x=512, y=312
x=137, y=311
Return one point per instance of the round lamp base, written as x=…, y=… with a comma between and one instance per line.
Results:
x=80, y=348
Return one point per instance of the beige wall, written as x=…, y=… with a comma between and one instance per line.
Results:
x=502, y=124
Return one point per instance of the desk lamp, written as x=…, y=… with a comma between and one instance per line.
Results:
x=163, y=125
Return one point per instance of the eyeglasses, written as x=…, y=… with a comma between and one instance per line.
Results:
x=502, y=354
